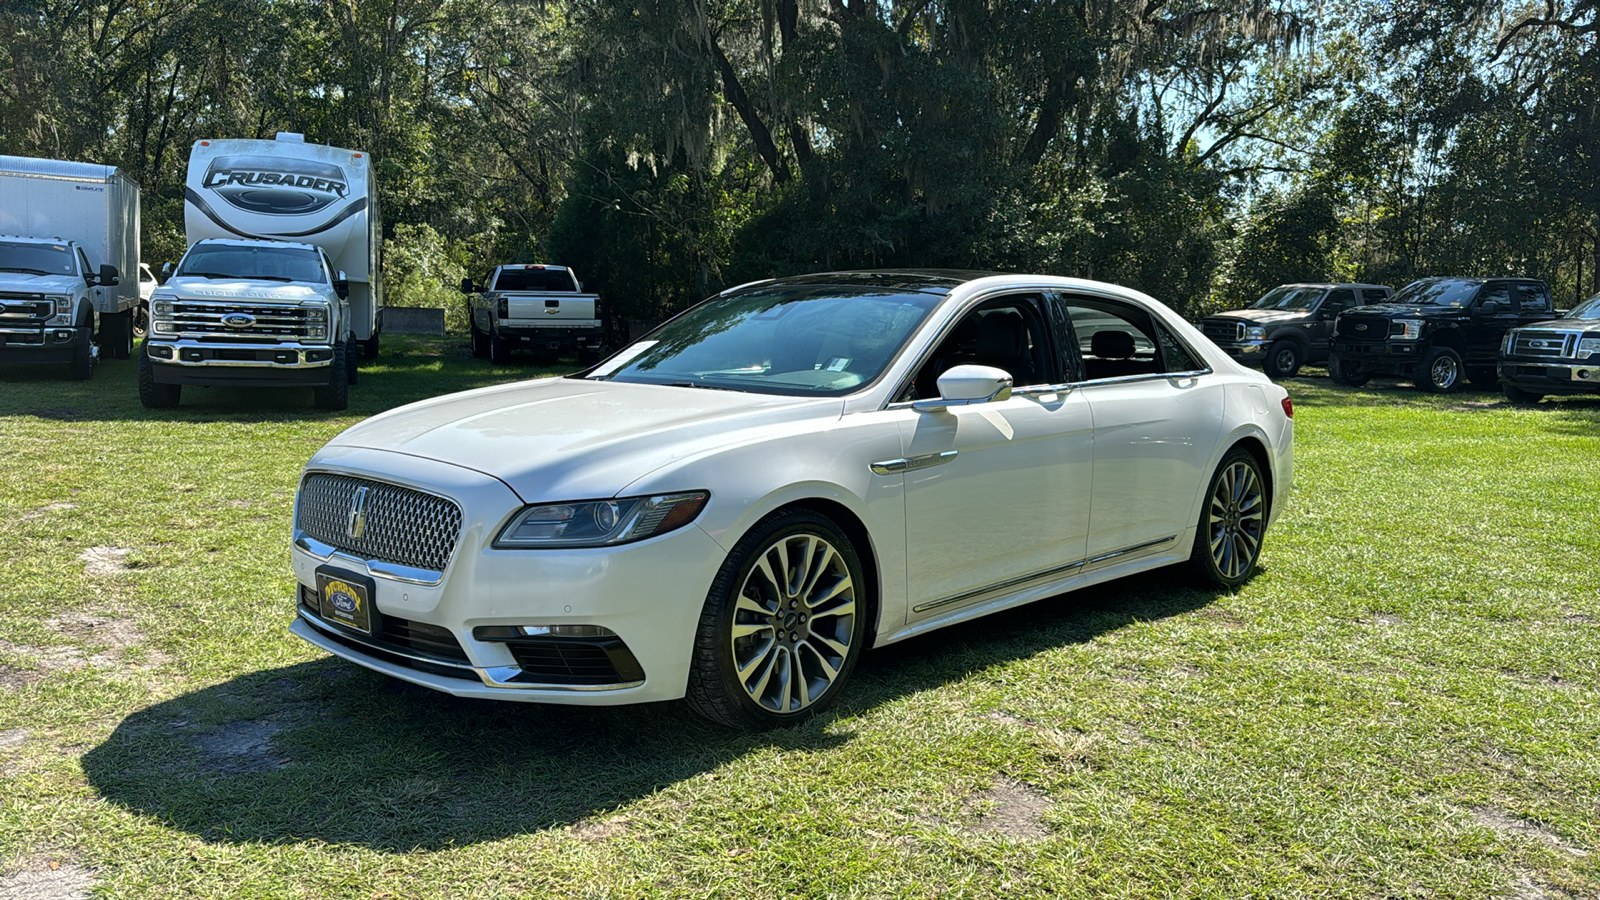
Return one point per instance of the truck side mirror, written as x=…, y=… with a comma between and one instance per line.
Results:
x=1489, y=307
x=166, y=271
x=108, y=276
x=341, y=285
x=467, y=286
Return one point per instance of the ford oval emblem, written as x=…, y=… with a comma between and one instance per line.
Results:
x=1539, y=344
x=1361, y=328
x=238, y=320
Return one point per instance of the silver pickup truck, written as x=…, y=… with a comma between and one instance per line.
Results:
x=534, y=307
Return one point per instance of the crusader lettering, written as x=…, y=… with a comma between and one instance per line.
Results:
x=219, y=178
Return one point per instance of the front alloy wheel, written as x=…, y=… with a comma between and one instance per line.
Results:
x=1232, y=522
x=783, y=624
x=1439, y=371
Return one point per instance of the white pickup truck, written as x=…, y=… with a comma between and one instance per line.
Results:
x=534, y=307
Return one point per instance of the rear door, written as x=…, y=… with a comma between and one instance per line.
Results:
x=1320, y=329
x=1486, y=326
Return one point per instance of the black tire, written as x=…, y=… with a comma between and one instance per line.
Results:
x=116, y=335
x=1483, y=376
x=1519, y=396
x=1233, y=521
x=588, y=356
x=369, y=347
x=352, y=357
x=335, y=395
x=480, y=343
x=800, y=635
x=1346, y=373
x=1284, y=359
x=141, y=319
x=1439, y=371
x=151, y=394
x=499, y=350
x=82, y=365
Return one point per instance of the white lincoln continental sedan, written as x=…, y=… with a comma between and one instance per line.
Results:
x=734, y=508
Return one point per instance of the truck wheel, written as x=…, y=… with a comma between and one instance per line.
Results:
x=369, y=348
x=480, y=343
x=352, y=360
x=1519, y=396
x=499, y=350
x=334, y=395
x=151, y=394
x=1439, y=371
x=116, y=335
x=1483, y=376
x=83, y=355
x=588, y=356
x=141, y=320
x=1346, y=373
x=1283, y=359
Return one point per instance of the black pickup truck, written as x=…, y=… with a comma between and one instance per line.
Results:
x=1435, y=330
x=1559, y=356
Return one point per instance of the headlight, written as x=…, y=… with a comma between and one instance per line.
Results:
x=161, y=308
x=599, y=523
x=1587, y=346
x=164, y=327
x=317, y=314
x=63, y=308
x=1255, y=332
x=1405, y=329
x=317, y=333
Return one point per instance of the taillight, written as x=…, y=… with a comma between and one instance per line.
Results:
x=1288, y=408
x=505, y=307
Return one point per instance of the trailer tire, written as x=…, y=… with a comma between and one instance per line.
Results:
x=499, y=350
x=151, y=394
x=335, y=395
x=116, y=334
x=141, y=319
x=83, y=355
x=352, y=360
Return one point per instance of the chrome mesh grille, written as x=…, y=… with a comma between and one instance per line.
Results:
x=203, y=319
x=1228, y=330
x=402, y=526
x=1554, y=344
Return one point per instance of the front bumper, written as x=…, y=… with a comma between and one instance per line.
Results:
x=1251, y=353
x=1379, y=356
x=41, y=344
x=245, y=365
x=648, y=594
x=1546, y=377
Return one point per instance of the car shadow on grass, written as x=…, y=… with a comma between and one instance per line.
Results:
x=331, y=752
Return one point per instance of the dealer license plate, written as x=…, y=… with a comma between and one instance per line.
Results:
x=346, y=599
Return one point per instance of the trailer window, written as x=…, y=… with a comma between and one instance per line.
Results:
x=35, y=259
x=267, y=263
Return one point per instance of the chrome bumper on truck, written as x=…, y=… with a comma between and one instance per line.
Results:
x=245, y=365
x=50, y=344
x=534, y=333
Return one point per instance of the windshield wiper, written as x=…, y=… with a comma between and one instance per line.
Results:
x=27, y=271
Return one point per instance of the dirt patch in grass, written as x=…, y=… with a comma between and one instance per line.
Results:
x=15, y=679
x=240, y=748
x=603, y=830
x=13, y=737
x=47, y=509
x=1504, y=823
x=105, y=562
x=58, y=413
x=1012, y=810
x=83, y=628
x=50, y=880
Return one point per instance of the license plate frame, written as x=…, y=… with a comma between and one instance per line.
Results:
x=347, y=599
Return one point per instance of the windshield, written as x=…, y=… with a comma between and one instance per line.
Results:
x=1290, y=297
x=36, y=259
x=520, y=279
x=262, y=263
x=1437, y=293
x=1588, y=309
x=804, y=340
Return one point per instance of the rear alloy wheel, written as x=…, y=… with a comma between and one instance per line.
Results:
x=783, y=625
x=1283, y=359
x=1233, y=521
x=1344, y=372
x=1519, y=396
x=1439, y=371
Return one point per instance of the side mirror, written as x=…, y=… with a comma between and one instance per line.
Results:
x=467, y=287
x=341, y=285
x=166, y=271
x=1489, y=307
x=968, y=385
x=107, y=277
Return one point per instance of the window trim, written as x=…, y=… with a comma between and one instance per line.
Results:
x=1047, y=314
x=1061, y=298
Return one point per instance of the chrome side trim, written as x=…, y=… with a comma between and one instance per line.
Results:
x=1164, y=376
x=392, y=571
x=492, y=676
x=1127, y=550
x=1000, y=586
x=911, y=464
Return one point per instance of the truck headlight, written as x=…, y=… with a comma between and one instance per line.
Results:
x=1586, y=346
x=1255, y=332
x=1405, y=329
x=164, y=327
x=599, y=523
x=63, y=309
x=161, y=309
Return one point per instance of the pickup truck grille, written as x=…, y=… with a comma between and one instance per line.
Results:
x=24, y=310
x=1551, y=344
x=1229, y=330
x=270, y=322
x=1363, y=328
x=400, y=525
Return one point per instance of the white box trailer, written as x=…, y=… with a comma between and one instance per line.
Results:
x=89, y=209
x=288, y=189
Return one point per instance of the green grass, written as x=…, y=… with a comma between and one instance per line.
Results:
x=1405, y=702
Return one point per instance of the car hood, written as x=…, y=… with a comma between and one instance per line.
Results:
x=1565, y=325
x=1405, y=311
x=569, y=439
x=1264, y=316
x=39, y=284
x=246, y=289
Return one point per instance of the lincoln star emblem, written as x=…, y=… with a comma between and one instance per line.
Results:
x=238, y=320
x=356, y=524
